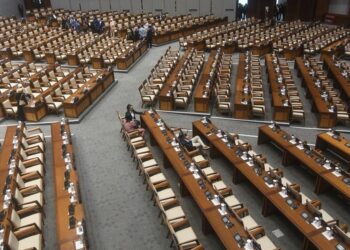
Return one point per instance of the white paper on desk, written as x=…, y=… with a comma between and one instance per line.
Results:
x=336, y=173
x=330, y=133
x=210, y=134
x=224, y=140
x=250, y=164
x=315, y=225
x=78, y=245
x=271, y=126
x=327, y=166
x=244, y=157
x=196, y=176
x=328, y=237
x=293, y=142
x=300, y=147
x=222, y=212
x=219, y=135
x=269, y=185
x=283, y=194
x=215, y=202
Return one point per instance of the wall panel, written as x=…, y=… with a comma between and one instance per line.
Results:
x=135, y=6
x=115, y=5
x=169, y=6
x=147, y=6
x=181, y=7
x=193, y=7
x=105, y=5
x=75, y=4
x=204, y=7
x=157, y=6
x=339, y=7
x=218, y=8
x=60, y=4
x=123, y=5
x=229, y=9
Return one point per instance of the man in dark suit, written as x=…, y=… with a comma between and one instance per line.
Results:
x=130, y=114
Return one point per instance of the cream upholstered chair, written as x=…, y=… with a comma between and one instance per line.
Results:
x=10, y=110
x=147, y=96
x=258, y=234
x=33, y=167
x=223, y=104
x=181, y=99
x=26, y=181
x=247, y=221
x=52, y=105
x=28, y=237
x=40, y=157
x=28, y=90
x=342, y=116
x=34, y=134
x=33, y=144
x=29, y=196
x=58, y=93
x=183, y=236
x=25, y=219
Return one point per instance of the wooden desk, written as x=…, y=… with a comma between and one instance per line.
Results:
x=280, y=112
x=211, y=218
x=339, y=145
x=66, y=236
x=340, y=82
x=326, y=119
x=166, y=100
x=292, y=154
x=78, y=102
x=271, y=195
x=201, y=100
x=240, y=110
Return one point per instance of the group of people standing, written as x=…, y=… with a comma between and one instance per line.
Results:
x=141, y=32
x=71, y=22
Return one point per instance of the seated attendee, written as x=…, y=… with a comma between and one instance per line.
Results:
x=130, y=126
x=191, y=143
x=131, y=114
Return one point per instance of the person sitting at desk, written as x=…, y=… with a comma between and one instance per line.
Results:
x=130, y=126
x=191, y=143
x=131, y=114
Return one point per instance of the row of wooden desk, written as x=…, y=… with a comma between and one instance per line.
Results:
x=340, y=82
x=291, y=208
x=211, y=217
x=79, y=101
x=241, y=110
x=65, y=173
x=326, y=119
x=166, y=99
x=292, y=153
x=336, y=143
x=203, y=93
x=172, y=35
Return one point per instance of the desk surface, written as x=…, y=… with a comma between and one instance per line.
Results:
x=272, y=194
x=65, y=235
x=311, y=161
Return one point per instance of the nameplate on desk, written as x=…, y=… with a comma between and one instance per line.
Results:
x=196, y=176
x=219, y=135
x=283, y=195
x=244, y=157
x=327, y=236
x=293, y=142
x=315, y=225
x=300, y=147
x=327, y=166
x=336, y=173
x=222, y=212
x=215, y=202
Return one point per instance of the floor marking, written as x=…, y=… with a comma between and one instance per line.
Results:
x=278, y=233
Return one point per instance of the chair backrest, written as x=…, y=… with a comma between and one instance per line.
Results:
x=18, y=196
x=15, y=219
x=7, y=104
x=12, y=241
x=58, y=92
x=48, y=99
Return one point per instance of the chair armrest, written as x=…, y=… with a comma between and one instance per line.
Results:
x=31, y=176
x=30, y=190
x=26, y=231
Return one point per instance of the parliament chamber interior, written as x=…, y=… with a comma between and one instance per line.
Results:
x=182, y=124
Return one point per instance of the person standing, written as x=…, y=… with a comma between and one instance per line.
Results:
x=149, y=36
x=22, y=101
x=130, y=114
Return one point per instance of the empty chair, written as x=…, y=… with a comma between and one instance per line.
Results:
x=10, y=110
x=52, y=105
